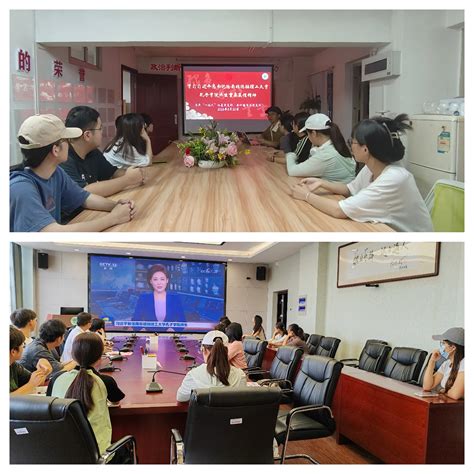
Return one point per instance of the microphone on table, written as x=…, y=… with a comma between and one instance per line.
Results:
x=118, y=357
x=110, y=367
x=187, y=357
x=153, y=387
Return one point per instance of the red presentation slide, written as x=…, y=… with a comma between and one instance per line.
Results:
x=226, y=95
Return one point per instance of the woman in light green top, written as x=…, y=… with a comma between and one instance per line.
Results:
x=329, y=158
x=85, y=386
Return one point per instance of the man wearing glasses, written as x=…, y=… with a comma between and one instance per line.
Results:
x=87, y=166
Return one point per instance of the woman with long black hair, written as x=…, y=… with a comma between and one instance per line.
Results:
x=383, y=191
x=216, y=370
x=84, y=385
x=131, y=145
x=450, y=376
x=329, y=157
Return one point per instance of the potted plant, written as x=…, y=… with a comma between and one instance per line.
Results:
x=312, y=104
x=211, y=149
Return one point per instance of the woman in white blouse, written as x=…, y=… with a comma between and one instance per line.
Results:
x=382, y=191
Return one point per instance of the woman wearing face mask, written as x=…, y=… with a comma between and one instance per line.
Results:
x=329, y=157
x=450, y=376
x=159, y=305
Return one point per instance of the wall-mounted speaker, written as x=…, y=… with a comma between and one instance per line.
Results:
x=43, y=260
x=261, y=273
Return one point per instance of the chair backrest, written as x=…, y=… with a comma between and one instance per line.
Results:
x=328, y=346
x=315, y=384
x=313, y=342
x=405, y=363
x=445, y=202
x=305, y=336
x=231, y=425
x=438, y=364
x=254, y=351
x=50, y=430
x=373, y=356
x=285, y=363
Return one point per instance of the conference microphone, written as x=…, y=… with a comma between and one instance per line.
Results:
x=187, y=357
x=118, y=357
x=153, y=387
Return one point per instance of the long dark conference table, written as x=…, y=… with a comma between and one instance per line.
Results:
x=379, y=414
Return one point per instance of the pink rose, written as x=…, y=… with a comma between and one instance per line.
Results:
x=232, y=149
x=189, y=161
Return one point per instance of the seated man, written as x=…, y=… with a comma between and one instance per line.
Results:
x=22, y=381
x=87, y=166
x=51, y=334
x=40, y=191
x=83, y=324
x=25, y=321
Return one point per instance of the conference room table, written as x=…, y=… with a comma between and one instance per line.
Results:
x=385, y=417
x=254, y=196
x=151, y=416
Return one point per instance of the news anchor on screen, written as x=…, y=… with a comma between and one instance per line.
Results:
x=159, y=305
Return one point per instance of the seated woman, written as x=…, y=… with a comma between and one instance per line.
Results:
x=295, y=337
x=258, y=332
x=382, y=191
x=22, y=381
x=279, y=335
x=84, y=385
x=329, y=158
x=271, y=135
x=303, y=145
x=235, y=347
x=216, y=370
x=288, y=139
x=131, y=145
x=450, y=376
x=98, y=326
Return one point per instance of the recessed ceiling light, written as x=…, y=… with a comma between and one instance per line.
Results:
x=182, y=256
x=128, y=253
x=76, y=250
x=229, y=260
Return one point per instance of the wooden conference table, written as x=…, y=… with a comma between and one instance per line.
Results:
x=150, y=416
x=384, y=417
x=252, y=197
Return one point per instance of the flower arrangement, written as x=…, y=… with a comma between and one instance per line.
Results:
x=211, y=145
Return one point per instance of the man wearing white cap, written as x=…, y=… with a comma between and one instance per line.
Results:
x=216, y=370
x=40, y=191
x=450, y=375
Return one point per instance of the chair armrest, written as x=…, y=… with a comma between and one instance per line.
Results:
x=304, y=409
x=350, y=362
x=114, y=447
x=269, y=382
x=256, y=371
x=177, y=447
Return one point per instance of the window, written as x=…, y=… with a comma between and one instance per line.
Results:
x=85, y=56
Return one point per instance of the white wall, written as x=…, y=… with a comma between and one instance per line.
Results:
x=299, y=275
x=404, y=313
x=430, y=63
x=64, y=283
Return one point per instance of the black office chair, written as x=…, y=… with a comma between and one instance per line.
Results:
x=313, y=342
x=254, y=351
x=283, y=368
x=405, y=364
x=228, y=426
x=328, y=347
x=311, y=417
x=305, y=336
x=372, y=358
x=437, y=365
x=51, y=430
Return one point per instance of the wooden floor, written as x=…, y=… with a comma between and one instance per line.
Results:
x=326, y=451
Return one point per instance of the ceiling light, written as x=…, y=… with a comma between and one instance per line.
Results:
x=128, y=253
x=76, y=250
x=229, y=260
x=183, y=256
x=202, y=242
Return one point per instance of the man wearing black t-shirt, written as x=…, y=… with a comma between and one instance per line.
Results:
x=86, y=164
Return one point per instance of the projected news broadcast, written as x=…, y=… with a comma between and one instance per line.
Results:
x=234, y=96
x=156, y=295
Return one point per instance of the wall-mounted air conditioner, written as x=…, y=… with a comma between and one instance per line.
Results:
x=381, y=66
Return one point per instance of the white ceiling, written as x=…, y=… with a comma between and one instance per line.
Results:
x=240, y=252
x=226, y=52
